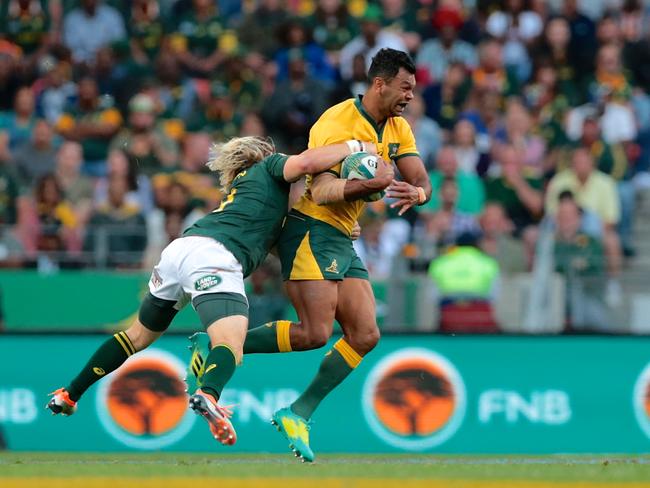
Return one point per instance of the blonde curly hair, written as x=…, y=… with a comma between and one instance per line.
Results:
x=232, y=157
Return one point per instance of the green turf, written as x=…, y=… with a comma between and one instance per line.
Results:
x=550, y=468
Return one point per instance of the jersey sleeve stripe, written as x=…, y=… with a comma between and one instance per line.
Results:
x=406, y=154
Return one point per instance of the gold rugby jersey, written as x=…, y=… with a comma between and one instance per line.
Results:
x=349, y=120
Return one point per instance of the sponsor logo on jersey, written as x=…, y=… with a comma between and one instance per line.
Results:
x=143, y=404
x=207, y=282
x=333, y=268
x=642, y=400
x=393, y=147
x=99, y=371
x=414, y=399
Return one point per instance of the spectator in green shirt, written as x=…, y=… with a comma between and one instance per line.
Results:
x=26, y=23
x=92, y=121
x=471, y=195
x=521, y=196
x=580, y=258
x=197, y=38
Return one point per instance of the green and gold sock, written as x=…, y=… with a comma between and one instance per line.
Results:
x=339, y=362
x=271, y=337
x=219, y=367
x=108, y=357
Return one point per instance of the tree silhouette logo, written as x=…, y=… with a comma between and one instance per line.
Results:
x=414, y=399
x=641, y=400
x=143, y=404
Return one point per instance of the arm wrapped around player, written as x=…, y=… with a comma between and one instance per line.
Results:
x=327, y=188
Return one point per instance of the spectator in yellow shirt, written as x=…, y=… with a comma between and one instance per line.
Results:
x=595, y=191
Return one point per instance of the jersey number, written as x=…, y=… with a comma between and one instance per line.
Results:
x=229, y=199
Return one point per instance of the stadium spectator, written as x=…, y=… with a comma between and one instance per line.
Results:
x=119, y=164
x=19, y=123
x=243, y=85
x=399, y=17
x=91, y=26
x=497, y=240
x=371, y=248
x=515, y=21
x=436, y=55
x=77, y=188
x=445, y=100
x=554, y=49
x=355, y=86
x=492, y=74
x=218, y=115
x=294, y=106
x=371, y=40
x=579, y=258
x=35, y=158
x=295, y=36
x=147, y=30
x=448, y=222
x=116, y=235
x=10, y=79
x=198, y=39
x=258, y=29
x=426, y=130
x=520, y=195
x=49, y=228
x=168, y=221
x=471, y=194
x=517, y=131
x=173, y=94
x=333, y=27
x=595, y=191
x=471, y=158
x=26, y=23
x=92, y=121
x=9, y=185
x=143, y=140
x=466, y=282
x=57, y=90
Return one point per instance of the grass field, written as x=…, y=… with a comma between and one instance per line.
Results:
x=169, y=470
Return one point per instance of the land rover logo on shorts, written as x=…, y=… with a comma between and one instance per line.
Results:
x=414, y=399
x=143, y=404
x=207, y=282
x=641, y=400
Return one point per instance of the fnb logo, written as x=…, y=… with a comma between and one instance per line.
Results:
x=143, y=404
x=414, y=399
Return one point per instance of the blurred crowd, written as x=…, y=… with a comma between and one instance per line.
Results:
x=526, y=111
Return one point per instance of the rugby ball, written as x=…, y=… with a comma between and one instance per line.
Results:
x=361, y=166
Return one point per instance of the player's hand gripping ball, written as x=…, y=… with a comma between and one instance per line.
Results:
x=361, y=166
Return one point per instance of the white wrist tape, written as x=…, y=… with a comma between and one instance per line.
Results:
x=354, y=145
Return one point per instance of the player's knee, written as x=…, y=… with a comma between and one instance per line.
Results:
x=141, y=337
x=319, y=337
x=365, y=342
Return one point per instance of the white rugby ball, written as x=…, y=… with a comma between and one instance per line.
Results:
x=361, y=166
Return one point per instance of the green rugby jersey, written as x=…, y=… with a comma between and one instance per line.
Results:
x=249, y=219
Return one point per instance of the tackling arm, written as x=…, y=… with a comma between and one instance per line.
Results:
x=319, y=159
x=327, y=188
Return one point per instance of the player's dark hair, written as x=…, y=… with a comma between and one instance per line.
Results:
x=387, y=63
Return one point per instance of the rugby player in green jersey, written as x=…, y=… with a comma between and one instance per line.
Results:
x=207, y=266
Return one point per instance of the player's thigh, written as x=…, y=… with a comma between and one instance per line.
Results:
x=356, y=312
x=208, y=267
x=310, y=249
x=315, y=302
